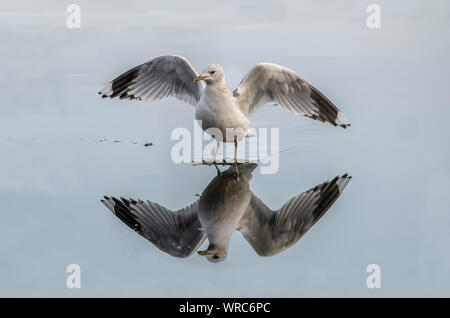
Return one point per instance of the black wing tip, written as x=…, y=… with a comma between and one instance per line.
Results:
x=338, y=180
x=329, y=183
x=323, y=120
x=103, y=95
x=105, y=201
x=123, y=209
x=122, y=96
x=328, y=193
x=128, y=202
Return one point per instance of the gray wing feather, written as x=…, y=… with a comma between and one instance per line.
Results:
x=168, y=75
x=177, y=233
x=271, y=232
x=270, y=82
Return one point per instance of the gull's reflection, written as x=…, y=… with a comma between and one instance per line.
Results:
x=227, y=204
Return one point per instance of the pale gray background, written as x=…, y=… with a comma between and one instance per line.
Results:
x=392, y=84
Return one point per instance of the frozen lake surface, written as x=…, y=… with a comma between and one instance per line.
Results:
x=62, y=148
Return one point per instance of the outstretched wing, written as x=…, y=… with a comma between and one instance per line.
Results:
x=271, y=232
x=168, y=75
x=177, y=233
x=270, y=82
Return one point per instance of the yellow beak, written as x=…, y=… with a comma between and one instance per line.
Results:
x=204, y=253
x=199, y=78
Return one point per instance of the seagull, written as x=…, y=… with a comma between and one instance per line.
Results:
x=219, y=110
x=227, y=204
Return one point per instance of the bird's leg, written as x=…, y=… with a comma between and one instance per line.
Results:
x=215, y=154
x=235, y=150
x=217, y=150
x=235, y=157
x=236, y=175
x=217, y=168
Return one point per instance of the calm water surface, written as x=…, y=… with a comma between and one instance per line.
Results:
x=391, y=83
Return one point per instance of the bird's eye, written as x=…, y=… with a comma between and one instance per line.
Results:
x=212, y=72
x=215, y=257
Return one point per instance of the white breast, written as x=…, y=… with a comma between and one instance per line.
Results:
x=216, y=109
